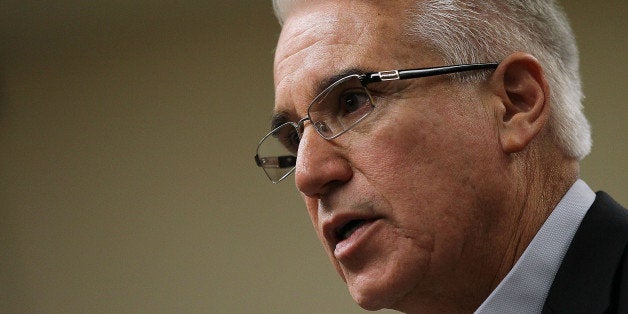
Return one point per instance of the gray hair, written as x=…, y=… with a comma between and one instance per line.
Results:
x=467, y=31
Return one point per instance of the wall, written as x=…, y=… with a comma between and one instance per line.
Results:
x=127, y=182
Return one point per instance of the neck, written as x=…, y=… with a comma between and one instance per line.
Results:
x=544, y=180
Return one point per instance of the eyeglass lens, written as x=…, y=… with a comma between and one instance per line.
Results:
x=277, y=152
x=337, y=109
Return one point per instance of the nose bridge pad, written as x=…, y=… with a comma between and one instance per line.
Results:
x=301, y=126
x=301, y=132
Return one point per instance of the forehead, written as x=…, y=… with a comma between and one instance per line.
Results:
x=318, y=24
x=321, y=39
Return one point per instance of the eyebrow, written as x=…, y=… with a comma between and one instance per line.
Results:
x=281, y=117
x=278, y=119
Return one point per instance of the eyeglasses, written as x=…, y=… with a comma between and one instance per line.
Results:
x=336, y=110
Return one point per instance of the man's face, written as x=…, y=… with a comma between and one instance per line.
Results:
x=406, y=204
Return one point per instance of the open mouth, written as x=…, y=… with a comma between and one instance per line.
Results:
x=349, y=228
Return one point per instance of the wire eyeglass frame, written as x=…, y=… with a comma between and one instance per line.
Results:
x=279, y=167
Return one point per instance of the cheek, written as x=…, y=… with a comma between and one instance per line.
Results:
x=426, y=172
x=395, y=153
x=425, y=147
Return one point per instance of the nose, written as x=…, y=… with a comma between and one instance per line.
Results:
x=320, y=165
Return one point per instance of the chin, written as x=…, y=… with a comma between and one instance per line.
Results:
x=368, y=302
x=377, y=295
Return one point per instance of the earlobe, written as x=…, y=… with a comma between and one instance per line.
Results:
x=523, y=91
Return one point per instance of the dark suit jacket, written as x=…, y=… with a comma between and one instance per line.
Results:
x=593, y=277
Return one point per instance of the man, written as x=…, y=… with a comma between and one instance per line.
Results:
x=450, y=186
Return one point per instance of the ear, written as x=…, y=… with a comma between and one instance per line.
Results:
x=521, y=87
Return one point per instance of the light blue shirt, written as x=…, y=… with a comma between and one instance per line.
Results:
x=526, y=286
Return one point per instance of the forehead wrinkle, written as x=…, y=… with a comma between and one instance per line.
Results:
x=303, y=59
x=303, y=31
x=293, y=72
x=316, y=30
x=309, y=49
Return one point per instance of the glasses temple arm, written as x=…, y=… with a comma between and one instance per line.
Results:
x=415, y=73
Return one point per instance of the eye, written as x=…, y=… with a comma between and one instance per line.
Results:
x=353, y=102
x=289, y=138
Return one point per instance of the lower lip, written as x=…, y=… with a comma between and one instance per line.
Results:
x=346, y=247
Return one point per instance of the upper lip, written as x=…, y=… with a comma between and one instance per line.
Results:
x=333, y=226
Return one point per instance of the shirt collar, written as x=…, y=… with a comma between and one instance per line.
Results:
x=526, y=286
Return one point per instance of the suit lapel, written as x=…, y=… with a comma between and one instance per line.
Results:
x=590, y=273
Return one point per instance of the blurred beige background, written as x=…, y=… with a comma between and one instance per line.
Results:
x=127, y=183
